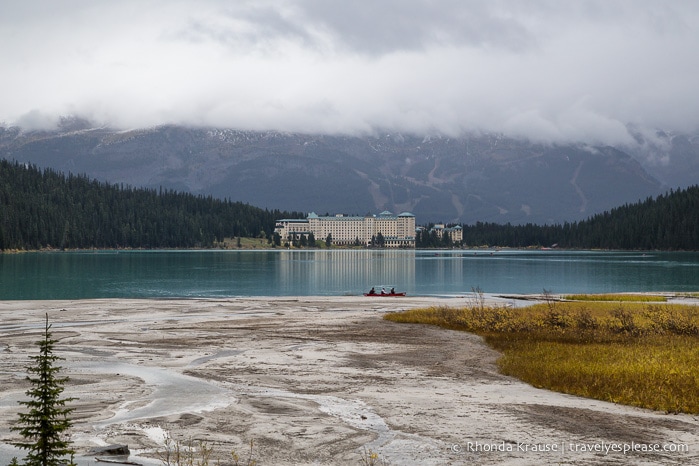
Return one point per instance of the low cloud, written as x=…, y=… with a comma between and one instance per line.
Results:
x=554, y=71
x=36, y=120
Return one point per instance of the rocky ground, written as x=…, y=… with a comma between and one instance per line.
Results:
x=311, y=381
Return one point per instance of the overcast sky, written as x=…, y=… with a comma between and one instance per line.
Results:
x=553, y=70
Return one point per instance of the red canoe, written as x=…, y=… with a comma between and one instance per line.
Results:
x=386, y=295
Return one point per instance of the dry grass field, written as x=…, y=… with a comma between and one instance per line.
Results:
x=637, y=352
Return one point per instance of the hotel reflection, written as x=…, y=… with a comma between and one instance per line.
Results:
x=347, y=272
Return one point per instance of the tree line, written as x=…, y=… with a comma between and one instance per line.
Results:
x=667, y=222
x=47, y=209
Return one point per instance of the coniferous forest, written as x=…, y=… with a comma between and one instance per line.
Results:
x=668, y=222
x=46, y=209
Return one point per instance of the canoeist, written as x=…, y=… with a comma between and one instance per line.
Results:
x=384, y=293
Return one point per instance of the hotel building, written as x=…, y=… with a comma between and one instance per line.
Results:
x=398, y=231
x=456, y=233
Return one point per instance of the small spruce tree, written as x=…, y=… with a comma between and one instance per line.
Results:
x=44, y=427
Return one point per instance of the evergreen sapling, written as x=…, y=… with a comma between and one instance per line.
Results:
x=44, y=426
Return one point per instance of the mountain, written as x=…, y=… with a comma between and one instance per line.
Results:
x=671, y=158
x=486, y=178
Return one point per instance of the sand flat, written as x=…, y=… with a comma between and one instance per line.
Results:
x=313, y=380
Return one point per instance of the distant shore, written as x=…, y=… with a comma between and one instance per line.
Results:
x=310, y=380
x=256, y=244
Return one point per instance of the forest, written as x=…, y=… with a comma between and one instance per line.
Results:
x=668, y=222
x=46, y=209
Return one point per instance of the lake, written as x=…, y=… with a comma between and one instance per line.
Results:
x=218, y=273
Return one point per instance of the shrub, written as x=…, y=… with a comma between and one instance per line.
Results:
x=585, y=321
x=198, y=453
x=624, y=322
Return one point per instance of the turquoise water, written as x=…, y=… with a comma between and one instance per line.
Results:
x=170, y=274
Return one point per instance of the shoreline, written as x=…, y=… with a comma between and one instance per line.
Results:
x=311, y=380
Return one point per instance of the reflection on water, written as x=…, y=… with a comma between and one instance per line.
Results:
x=155, y=274
x=344, y=272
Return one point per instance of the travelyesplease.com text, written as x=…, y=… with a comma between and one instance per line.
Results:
x=562, y=447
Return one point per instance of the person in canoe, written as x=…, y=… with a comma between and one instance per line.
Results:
x=383, y=292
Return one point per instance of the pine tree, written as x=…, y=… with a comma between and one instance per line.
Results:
x=45, y=425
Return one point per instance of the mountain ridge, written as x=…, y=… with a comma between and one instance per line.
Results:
x=483, y=177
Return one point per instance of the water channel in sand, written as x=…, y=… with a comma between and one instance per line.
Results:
x=313, y=380
x=169, y=392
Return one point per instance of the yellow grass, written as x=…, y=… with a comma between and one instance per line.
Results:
x=616, y=297
x=245, y=243
x=639, y=354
